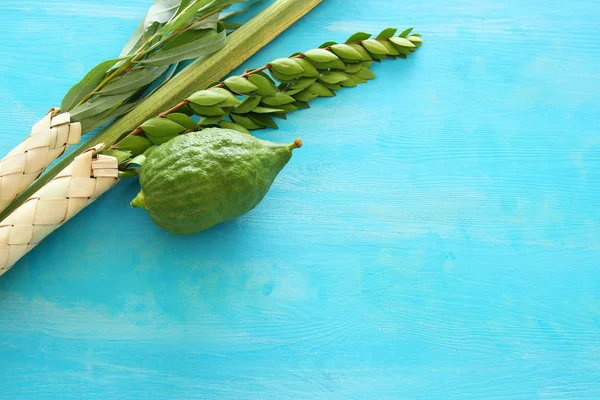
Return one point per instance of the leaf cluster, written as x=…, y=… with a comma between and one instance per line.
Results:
x=255, y=99
x=172, y=32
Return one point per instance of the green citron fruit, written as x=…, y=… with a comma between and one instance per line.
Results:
x=201, y=179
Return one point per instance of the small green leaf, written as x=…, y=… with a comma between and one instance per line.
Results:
x=305, y=96
x=121, y=156
x=399, y=41
x=245, y=121
x=336, y=86
x=346, y=52
x=230, y=99
x=327, y=44
x=338, y=64
x=392, y=50
x=264, y=120
x=357, y=79
x=387, y=33
x=277, y=100
x=365, y=73
x=416, y=34
x=161, y=130
x=183, y=120
x=128, y=174
x=247, y=105
x=89, y=82
x=320, y=55
x=286, y=66
x=322, y=66
x=133, y=80
x=207, y=111
x=361, y=50
x=240, y=85
x=417, y=41
x=301, y=104
x=150, y=150
x=358, y=37
x=403, y=50
x=266, y=110
x=333, y=77
x=280, y=115
x=234, y=126
x=263, y=74
x=353, y=68
x=283, y=77
x=139, y=160
x=405, y=32
x=187, y=110
x=302, y=83
x=134, y=144
x=265, y=85
x=210, y=120
x=367, y=63
x=136, y=163
x=291, y=92
x=209, y=97
x=348, y=83
x=318, y=89
x=288, y=107
x=309, y=69
x=375, y=47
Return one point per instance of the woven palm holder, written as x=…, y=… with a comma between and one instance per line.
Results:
x=49, y=139
x=79, y=184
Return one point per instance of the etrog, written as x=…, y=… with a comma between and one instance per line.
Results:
x=201, y=179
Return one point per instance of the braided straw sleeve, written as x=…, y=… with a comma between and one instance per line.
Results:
x=79, y=184
x=49, y=138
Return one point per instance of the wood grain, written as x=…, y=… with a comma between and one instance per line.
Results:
x=437, y=236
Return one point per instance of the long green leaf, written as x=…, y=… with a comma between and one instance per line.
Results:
x=87, y=84
x=100, y=119
x=184, y=17
x=210, y=22
x=182, y=6
x=160, y=12
x=91, y=123
x=133, y=80
x=207, y=43
x=98, y=105
x=134, y=42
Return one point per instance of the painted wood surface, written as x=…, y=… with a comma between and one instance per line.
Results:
x=437, y=236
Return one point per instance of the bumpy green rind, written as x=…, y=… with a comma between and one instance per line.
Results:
x=201, y=179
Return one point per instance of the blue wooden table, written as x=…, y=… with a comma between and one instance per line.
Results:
x=437, y=237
